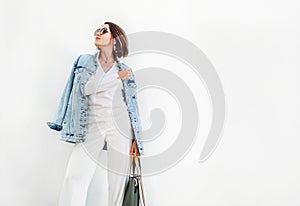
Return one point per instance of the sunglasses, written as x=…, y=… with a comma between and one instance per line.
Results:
x=101, y=31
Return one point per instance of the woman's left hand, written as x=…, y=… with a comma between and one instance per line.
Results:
x=124, y=74
x=134, y=149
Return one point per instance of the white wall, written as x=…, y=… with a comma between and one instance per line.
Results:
x=254, y=46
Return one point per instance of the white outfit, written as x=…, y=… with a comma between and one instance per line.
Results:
x=108, y=121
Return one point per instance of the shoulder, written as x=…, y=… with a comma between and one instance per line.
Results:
x=85, y=60
x=85, y=57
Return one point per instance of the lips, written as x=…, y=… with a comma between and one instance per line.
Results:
x=97, y=38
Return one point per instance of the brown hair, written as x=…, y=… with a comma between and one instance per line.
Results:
x=121, y=39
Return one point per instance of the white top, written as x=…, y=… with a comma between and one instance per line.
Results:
x=105, y=89
x=106, y=103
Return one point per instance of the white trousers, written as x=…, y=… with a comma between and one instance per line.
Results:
x=87, y=156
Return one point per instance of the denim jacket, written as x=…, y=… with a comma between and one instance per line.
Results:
x=72, y=112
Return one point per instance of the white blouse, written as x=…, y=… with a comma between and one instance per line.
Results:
x=106, y=101
x=105, y=89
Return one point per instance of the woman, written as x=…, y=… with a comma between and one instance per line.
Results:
x=98, y=101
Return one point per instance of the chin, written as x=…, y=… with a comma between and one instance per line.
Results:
x=97, y=45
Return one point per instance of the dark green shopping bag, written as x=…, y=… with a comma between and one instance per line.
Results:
x=132, y=190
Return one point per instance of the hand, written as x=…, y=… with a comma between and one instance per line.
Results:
x=134, y=149
x=124, y=74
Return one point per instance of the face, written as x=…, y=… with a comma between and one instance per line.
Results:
x=103, y=37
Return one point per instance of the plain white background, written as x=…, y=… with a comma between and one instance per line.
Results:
x=254, y=46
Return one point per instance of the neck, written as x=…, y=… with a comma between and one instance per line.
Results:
x=106, y=54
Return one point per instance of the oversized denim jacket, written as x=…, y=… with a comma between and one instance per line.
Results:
x=72, y=112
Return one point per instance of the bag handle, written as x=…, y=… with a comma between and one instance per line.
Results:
x=138, y=166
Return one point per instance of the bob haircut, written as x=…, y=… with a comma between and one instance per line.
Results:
x=121, y=40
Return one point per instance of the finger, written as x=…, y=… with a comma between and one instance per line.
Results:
x=131, y=150
x=134, y=151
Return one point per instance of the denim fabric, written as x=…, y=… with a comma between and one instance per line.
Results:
x=72, y=111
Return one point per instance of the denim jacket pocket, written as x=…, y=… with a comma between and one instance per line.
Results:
x=131, y=83
x=79, y=69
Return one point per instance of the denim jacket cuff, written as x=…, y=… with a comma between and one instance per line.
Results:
x=54, y=126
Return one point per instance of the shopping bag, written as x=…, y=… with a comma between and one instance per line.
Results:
x=134, y=190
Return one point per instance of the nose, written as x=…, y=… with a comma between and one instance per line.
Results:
x=97, y=33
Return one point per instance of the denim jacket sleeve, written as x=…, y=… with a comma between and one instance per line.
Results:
x=133, y=109
x=64, y=101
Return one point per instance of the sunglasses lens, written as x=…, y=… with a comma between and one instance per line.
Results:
x=103, y=31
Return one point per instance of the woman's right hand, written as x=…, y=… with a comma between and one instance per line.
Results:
x=124, y=74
